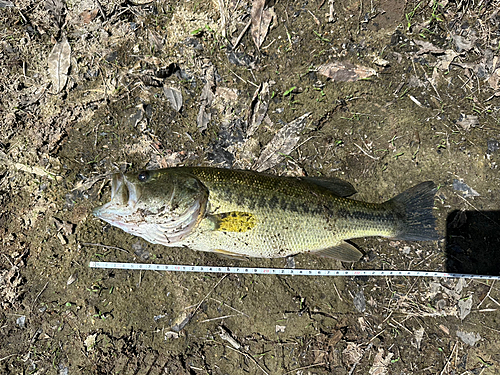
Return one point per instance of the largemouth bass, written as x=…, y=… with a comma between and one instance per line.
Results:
x=246, y=213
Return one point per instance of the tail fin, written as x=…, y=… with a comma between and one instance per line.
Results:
x=414, y=206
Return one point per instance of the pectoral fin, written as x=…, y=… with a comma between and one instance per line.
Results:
x=344, y=252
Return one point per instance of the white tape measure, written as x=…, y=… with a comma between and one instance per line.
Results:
x=282, y=271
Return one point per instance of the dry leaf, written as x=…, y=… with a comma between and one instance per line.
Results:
x=380, y=363
x=427, y=47
x=464, y=43
x=57, y=10
x=261, y=19
x=419, y=335
x=345, y=72
x=470, y=338
x=6, y=4
x=282, y=144
x=174, y=96
x=87, y=16
x=206, y=98
x=446, y=59
x=468, y=121
x=352, y=354
x=258, y=108
x=465, y=307
x=494, y=80
x=59, y=62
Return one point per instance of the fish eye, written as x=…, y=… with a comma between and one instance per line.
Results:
x=143, y=176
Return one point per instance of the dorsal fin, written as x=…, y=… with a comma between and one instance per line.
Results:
x=335, y=185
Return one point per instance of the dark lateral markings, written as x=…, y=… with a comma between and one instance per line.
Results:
x=362, y=215
x=270, y=202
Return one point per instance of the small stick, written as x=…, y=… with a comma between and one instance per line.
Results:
x=4, y=358
x=449, y=359
x=487, y=295
x=105, y=246
x=303, y=368
x=249, y=357
x=39, y=294
x=232, y=308
x=335, y=287
x=204, y=298
x=218, y=318
x=364, y=152
x=241, y=34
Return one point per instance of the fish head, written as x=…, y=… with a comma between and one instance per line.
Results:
x=162, y=206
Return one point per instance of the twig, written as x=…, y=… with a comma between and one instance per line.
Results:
x=335, y=287
x=449, y=359
x=303, y=368
x=249, y=357
x=26, y=168
x=8, y=260
x=488, y=296
x=232, y=308
x=364, y=152
x=218, y=318
x=244, y=80
x=402, y=326
x=6, y=357
x=101, y=10
x=105, y=246
x=39, y=294
x=204, y=298
x=241, y=34
x=474, y=207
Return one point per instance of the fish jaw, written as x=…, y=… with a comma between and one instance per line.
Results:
x=126, y=211
x=122, y=204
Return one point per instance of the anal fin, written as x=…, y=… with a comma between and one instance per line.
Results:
x=344, y=252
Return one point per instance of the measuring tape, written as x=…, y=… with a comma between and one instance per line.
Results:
x=282, y=271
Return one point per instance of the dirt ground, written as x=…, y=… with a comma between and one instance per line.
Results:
x=398, y=93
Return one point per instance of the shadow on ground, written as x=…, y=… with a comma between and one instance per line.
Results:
x=473, y=243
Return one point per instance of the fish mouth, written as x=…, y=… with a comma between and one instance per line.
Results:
x=167, y=227
x=124, y=196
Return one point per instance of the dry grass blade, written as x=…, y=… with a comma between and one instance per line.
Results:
x=59, y=62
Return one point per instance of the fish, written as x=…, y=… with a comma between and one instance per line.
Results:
x=243, y=213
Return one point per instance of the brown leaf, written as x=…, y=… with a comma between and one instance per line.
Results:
x=87, y=16
x=345, y=72
x=206, y=99
x=281, y=145
x=261, y=19
x=59, y=62
x=494, y=80
x=427, y=47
